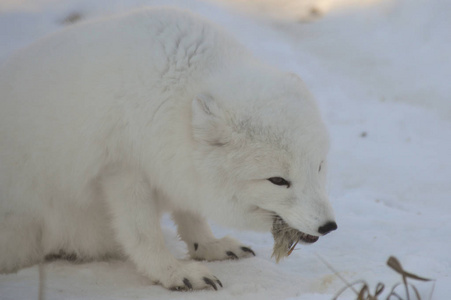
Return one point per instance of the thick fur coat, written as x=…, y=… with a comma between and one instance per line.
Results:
x=108, y=124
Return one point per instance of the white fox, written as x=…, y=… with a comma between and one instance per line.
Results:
x=108, y=124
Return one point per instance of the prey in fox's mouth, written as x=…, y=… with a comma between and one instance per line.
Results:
x=286, y=238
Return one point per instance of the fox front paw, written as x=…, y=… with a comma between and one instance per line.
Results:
x=189, y=276
x=219, y=249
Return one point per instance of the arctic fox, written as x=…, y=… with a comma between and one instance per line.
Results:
x=108, y=124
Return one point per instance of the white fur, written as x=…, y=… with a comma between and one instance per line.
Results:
x=106, y=125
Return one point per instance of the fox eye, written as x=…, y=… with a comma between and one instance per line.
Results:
x=279, y=181
x=320, y=165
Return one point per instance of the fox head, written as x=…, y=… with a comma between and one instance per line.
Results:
x=264, y=157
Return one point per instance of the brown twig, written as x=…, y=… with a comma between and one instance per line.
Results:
x=364, y=292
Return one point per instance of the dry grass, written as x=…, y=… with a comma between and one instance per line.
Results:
x=362, y=290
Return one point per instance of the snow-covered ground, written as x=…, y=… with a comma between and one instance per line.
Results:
x=381, y=72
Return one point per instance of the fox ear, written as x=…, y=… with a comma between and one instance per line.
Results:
x=209, y=121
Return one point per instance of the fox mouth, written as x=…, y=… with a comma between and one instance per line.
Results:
x=307, y=238
x=286, y=238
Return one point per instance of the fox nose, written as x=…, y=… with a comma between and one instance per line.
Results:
x=328, y=227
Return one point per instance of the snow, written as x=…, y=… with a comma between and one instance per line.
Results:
x=381, y=72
